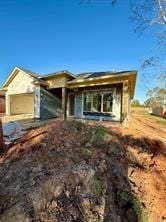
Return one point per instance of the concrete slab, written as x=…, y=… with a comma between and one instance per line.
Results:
x=26, y=121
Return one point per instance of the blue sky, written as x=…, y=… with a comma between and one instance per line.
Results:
x=51, y=35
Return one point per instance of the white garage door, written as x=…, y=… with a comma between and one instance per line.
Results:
x=22, y=104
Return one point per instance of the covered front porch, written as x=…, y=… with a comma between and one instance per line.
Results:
x=95, y=103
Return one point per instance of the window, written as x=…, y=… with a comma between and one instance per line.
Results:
x=96, y=104
x=98, y=101
x=107, y=101
x=87, y=101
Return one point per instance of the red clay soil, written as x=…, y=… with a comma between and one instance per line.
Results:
x=148, y=180
x=140, y=126
x=69, y=171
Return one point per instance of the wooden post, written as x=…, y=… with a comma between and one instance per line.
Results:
x=125, y=103
x=1, y=136
x=64, y=100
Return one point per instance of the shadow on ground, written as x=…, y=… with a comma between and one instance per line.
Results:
x=71, y=171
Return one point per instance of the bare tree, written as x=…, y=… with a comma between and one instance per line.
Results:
x=149, y=14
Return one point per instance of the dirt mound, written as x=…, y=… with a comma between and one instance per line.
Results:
x=71, y=171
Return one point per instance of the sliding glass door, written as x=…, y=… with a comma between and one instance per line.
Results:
x=107, y=102
x=98, y=101
x=87, y=101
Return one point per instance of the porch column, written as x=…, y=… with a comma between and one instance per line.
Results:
x=64, y=102
x=125, y=89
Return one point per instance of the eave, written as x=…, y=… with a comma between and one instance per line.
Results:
x=64, y=72
x=106, y=80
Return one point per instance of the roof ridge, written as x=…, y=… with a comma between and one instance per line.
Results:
x=34, y=74
x=57, y=72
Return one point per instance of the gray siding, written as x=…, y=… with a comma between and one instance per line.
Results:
x=50, y=106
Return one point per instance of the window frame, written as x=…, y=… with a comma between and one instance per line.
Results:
x=102, y=91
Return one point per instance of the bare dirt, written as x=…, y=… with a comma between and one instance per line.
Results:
x=141, y=126
x=73, y=171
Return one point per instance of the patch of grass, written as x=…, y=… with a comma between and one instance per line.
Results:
x=154, y=118
x=96, y=187
x=100, y=136
x=136, y=205
x=125, y=196
x=142, y=215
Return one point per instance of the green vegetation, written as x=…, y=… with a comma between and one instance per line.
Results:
x=96, y=187
x=136, y=103
x=156, y=119
x=136, y=205
x=79, y=125
x=155, y=96
x=138, y=208
x=143, y=111
x=100, y=136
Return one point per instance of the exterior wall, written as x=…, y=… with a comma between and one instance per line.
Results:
x=2, y=104
x=21, y=83
x=129, y=102
x=7, y=99
x=64, y=102
x=78, y=107
x=118, y=102
x=50, y=105
x=125, y=103
x=159, y=111
x=37, y=102
x=22, y=104
x=57, y=81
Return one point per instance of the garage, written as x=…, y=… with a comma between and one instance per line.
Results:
x=22, y=104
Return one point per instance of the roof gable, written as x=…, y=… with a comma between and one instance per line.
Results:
x=13, y=74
